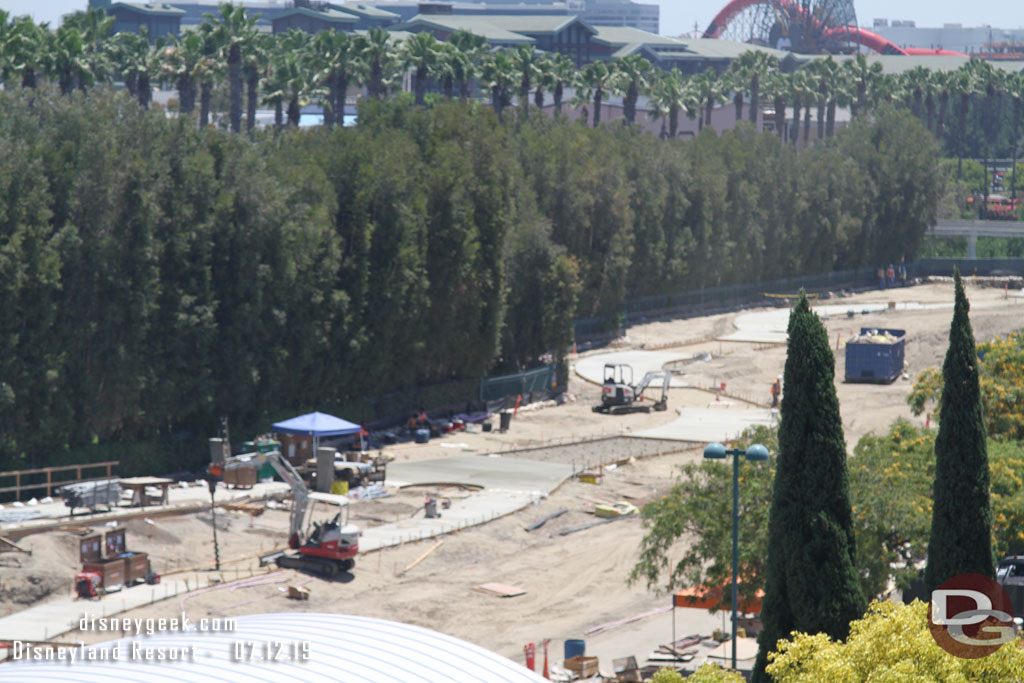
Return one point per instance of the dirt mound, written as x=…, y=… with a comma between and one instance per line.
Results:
x=50, y=569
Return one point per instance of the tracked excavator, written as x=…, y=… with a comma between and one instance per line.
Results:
x=619, y=395
x=322, y=548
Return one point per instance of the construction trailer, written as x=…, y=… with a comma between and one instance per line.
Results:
x=620, y=395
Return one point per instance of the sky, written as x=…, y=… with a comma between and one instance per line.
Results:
x=680, y=17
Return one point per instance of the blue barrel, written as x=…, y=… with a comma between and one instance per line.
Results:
x=421, y=435
x=575, y=648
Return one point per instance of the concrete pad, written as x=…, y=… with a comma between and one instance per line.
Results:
x=769, y=327
x=591, y=368
x=60, y=615
x=489, y=472
x=509, y=484
x=705, y=425
x=478, y=508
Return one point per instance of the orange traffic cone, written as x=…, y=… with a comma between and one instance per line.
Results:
x=545, y=674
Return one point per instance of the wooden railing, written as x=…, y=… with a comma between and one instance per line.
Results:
x=49, y=484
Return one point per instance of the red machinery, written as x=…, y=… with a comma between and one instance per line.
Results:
x=324, y=548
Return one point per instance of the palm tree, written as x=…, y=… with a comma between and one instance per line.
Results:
x=445, y=69
x=133, y=61
x=840, y=94
x=336, y=55
x=7, y=36
x=255, y=62
x=563, y=71
x=596, y=79
x=524, y=62
x=863, y=74
x=545, y=80
x=777, y=85
x=941, y=81
x=753, y=64
x=668, y=97
x=800, y=93
x=963, y=85
x=632, y=77
x=232, y=30
x=467, y=59
x=66, y=61
x=737, y=83
x=183, y=61
x=94, y=26
x=26, y=48
x=420, y=52
x=709, y=87
x=914, y=84
x=1015, y=89
x=379, y=56
x=499, y=76
x=824, y=73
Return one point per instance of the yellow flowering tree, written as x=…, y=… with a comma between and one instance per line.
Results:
x=890, y=643
x=1001, y=375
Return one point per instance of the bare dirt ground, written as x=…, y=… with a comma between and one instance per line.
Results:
x=572, y=582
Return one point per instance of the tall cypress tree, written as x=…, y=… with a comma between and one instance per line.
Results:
x=811, y=580
x=961, y=539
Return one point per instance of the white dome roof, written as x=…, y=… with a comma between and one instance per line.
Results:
x=340, y=648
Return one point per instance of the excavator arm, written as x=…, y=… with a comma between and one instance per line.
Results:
x=650, y=378
x=300, y=494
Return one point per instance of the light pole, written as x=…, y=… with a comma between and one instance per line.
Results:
x=755, y=453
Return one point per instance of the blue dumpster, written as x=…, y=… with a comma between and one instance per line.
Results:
x=875, y=355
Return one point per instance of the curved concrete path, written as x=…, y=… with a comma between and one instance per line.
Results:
x=591, y=368
x=769, y=327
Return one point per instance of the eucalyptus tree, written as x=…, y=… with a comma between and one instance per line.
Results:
x=525, y=64
x=597, y=79
x=668, y=97
x=420, y=52
x=231, y=30
x=633, y=74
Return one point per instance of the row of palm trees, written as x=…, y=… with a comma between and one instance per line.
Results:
x=287, y=71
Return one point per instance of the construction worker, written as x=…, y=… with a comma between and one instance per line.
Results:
x=776, y=391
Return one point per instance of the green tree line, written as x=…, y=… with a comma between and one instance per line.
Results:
x=156, y=275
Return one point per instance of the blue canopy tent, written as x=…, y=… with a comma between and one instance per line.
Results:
x=317, y=425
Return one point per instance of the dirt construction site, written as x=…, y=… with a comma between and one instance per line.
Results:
x=558, y=581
